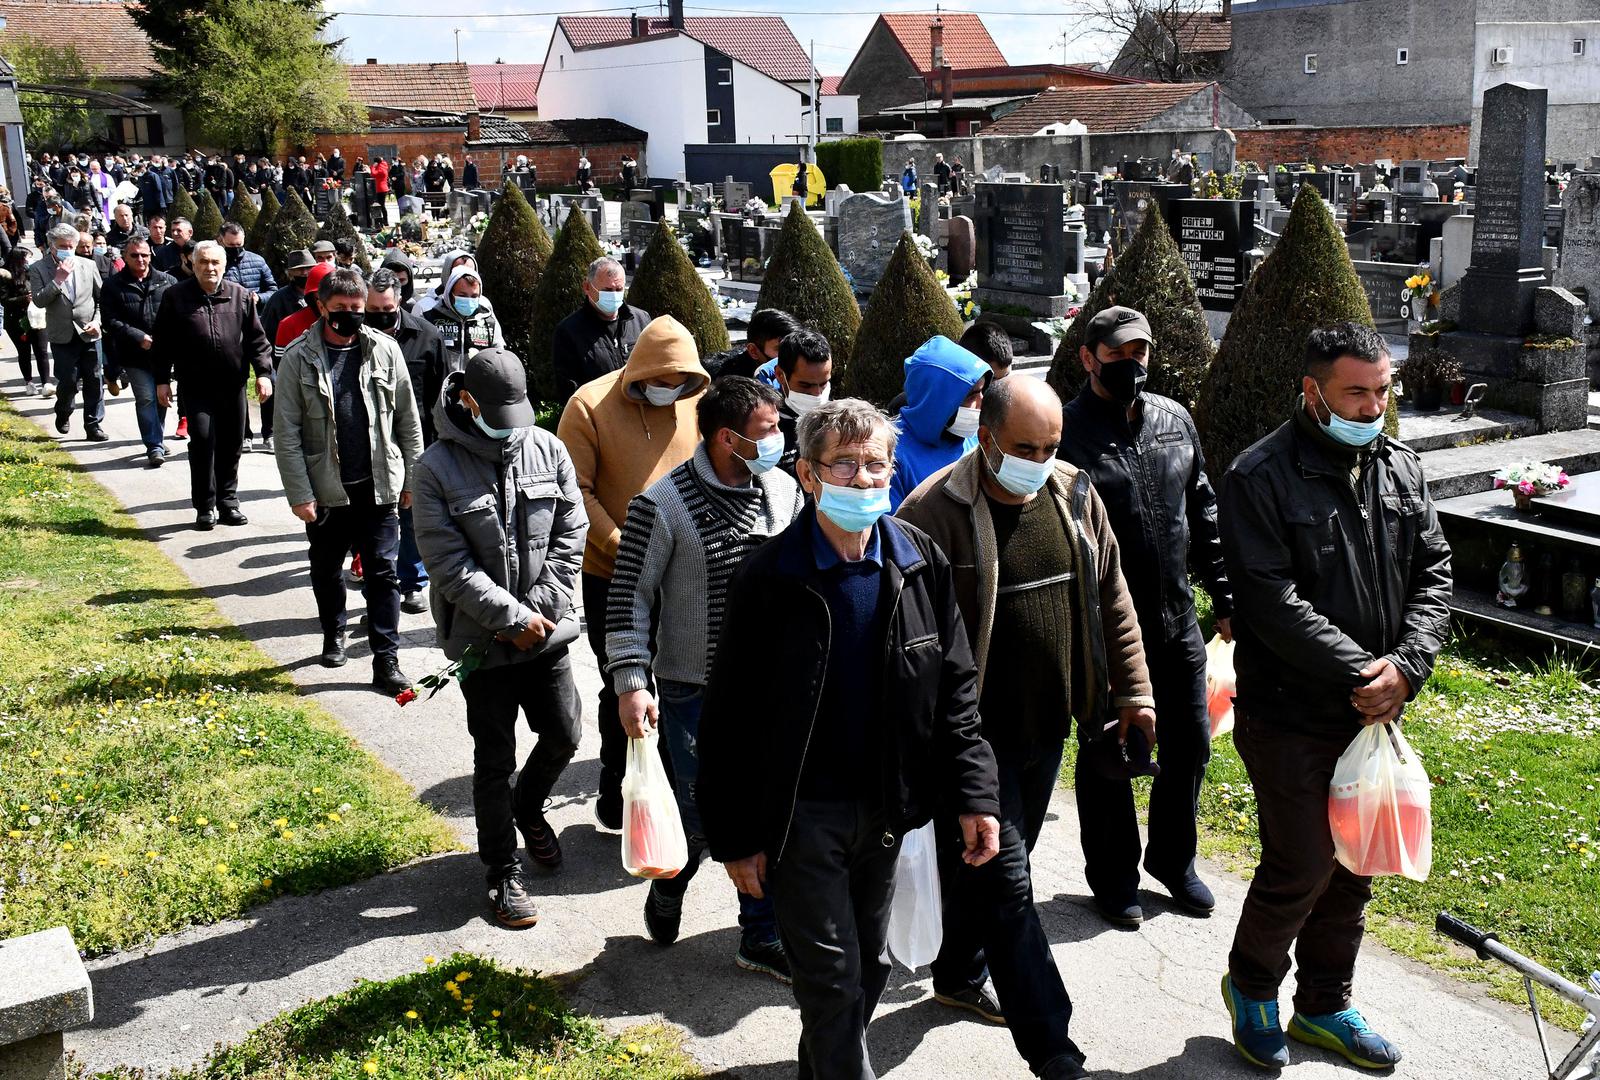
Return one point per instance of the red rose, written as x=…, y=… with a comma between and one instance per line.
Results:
x=406, y=696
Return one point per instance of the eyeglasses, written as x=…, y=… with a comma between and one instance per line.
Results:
x=846, y=469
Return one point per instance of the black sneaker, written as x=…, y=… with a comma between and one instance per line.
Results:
x=1065, y=1067
x=333, y=654
x=608, y=811
x=205, y=521
x=512, y=903
x=976, y=999
x=662, y=917
x=766, y=957
x=1187, y=891
x=387, y=676
x=543, y=846
x=61, y=424
x=156, y=458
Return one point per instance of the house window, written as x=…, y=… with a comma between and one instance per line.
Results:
x=1579, y=45
x=713, y=118
x=1311, y=63
x=1402, y=57
x=833, y=125
x=137, y=130
x=725, y=76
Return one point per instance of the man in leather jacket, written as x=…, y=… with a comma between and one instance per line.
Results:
x=1143, y=455
x=1341, y=578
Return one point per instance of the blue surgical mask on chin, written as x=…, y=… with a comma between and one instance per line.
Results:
x=1352, y=433
x=497, y=434
x=851, y=508
x=609, y=302
x=466, y=306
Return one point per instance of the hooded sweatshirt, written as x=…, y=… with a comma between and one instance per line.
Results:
x=395, y=259
x=621, y=444
x=463, y=335
x=436, y=295
x=939, y=376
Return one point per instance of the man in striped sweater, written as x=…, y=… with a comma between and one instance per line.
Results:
x=683, y=539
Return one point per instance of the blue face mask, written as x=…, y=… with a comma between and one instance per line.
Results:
x=62, y=254
x=1355, y=433
x=497, y=434
x=851, y=508
x=609, y=302
x=768, y=452
x=466, y=306
x=1021, y=476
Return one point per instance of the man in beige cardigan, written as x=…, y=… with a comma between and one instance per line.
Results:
x=1052, y=626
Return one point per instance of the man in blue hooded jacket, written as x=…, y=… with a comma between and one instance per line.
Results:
x=939, y=423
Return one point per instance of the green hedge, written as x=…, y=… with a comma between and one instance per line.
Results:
x=256, y=238
x=908, y=306
x=804, y=279
x=856, y=162
x=207, y=218
x=339, y=224
x=243, y=209
x=512, y=254
x=292, y=228
x=559, y=294
x=667, y=283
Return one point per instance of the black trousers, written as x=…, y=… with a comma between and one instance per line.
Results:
x=216, y=437
x=1107, y=819
x=77, y=364
x=613, y=740
x=374, y=531
x=32, y=349
x=543, y=690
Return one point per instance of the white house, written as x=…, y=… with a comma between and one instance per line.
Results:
x=684, y=81
x=841, y=113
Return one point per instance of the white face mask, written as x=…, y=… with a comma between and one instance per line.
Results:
x=663, y=395
x=965, y=425
x=804, y=403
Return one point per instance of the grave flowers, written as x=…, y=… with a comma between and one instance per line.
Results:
x=1529, y=480
x=1420, y=294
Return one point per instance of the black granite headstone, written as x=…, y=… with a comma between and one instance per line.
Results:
x=1021, y=244
x=1508, y=234
x=1133, y=199
x=1213, y=235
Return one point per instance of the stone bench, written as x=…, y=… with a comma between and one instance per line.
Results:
x=44, y=990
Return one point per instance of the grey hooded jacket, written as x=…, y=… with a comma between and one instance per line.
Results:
x=500, y=525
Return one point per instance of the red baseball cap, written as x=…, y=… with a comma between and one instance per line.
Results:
x=314, y=278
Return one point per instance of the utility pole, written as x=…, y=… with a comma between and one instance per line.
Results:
x=458, y=44
x=816, y=105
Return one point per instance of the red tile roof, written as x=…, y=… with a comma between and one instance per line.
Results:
x=438, y=87
x=829, y=86
x=506, y=86
x=1098, y=108
x=102, y=32
x=967, y=43
x=760, y=41
x=1205, y=32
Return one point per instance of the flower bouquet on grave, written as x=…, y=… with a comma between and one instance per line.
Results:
x=1529, y=480
x=1420, y=294
x=470, y=661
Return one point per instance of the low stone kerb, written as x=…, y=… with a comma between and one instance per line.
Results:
x=43, y=986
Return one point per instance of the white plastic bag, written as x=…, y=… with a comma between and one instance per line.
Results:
x=1379, y=806
x=37, y=319
x=1221, y=685
x=653, y=844
x=916, y=918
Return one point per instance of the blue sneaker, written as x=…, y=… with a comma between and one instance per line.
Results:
x=1256, y=1034
x=1347, y=1034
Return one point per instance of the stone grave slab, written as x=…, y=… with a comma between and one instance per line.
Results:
x=1507, y=264
x=962, y=247
x=1022, y=247
x=1456, y=249
x=1213, y=235
x=1580, y=253
x=870, y=225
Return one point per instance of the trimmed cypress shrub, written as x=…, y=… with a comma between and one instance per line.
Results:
x=1254, y=383
x=243, y=209
x=558, y=294
x=856, y=162
x=667, y=283
x=339, y=224
x=907, y=307
x=511, y=255
x=804, y=279
x=207, y=218
x=292, y=228
x=257, y=236
x=183, y=206
x=1150, y=276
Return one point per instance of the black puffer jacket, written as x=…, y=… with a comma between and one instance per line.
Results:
x=755, y=735
x=1330, y=574
x=1158, y=500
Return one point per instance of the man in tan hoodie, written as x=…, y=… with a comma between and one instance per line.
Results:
x=624, y=431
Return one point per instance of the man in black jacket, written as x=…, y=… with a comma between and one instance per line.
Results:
x=767, y=327
x=876, y=730
x=1341, y=580
x=155, y=190
x=1143, y=456
x=129, y=301
x=208, y=334
x=596, y=339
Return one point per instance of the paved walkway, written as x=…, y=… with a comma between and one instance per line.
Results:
x=1147, y=1001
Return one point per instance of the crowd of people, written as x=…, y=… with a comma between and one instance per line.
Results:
x=843, y=623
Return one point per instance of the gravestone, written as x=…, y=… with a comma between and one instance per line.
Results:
x=961, y=238
x=1134, y=198
x=1213, y=235
x=44, y=990
x=1395, y=241
x=1384, y=283
x=1455, y=249
x=459, y=208
x=735, y=193
x=1096, y=222
x=1555, y=220
x=1413, y=178
x=1022, y=248
x=1507, y=264
x=631, y=211
x=870, y=226
x=1580, y=254
x=725, y=233
x=928, y=212
x=831, y=201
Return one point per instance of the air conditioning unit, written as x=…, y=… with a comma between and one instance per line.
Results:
x=1501, y=56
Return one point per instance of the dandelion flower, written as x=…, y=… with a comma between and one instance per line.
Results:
x=150, y=855
x=66, y=845
x=633, y=1048
x=266, y=882
x=495, y=1013
x=429, y=960
x=222, y=868
x=280, y=822
x=15, y=834
x=463, y=976
x=411, y=1014
x=450, y=986
x=202, y=822
x=333, y=815
x=370, y=1067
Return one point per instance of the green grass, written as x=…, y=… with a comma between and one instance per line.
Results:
x=156, y=769
x=466, y=1017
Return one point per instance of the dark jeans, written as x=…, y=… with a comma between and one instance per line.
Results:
x=613, y=740
x=78, y=362
x=374, y=531
x=216, y=436
x=413, y=575
x=147, y=407
x=990, y=923
x=831, y=892
x=32, y=350
x=542, y=688
x=680, y=705
x=1106, y=817
x=1300, y=894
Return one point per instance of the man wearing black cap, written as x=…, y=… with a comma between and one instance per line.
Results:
x=503, y=569
x=1143, y=455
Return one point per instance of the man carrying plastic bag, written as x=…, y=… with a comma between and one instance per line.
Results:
x=1341, y=578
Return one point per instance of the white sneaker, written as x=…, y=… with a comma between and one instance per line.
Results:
x=29, y=388
x=47, y=390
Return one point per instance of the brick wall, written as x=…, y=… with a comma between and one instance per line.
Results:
x=557, y=165
x=1423, y=142
x=409, y=144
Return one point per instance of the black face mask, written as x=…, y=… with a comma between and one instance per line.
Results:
x=233, y=254
x=1123, y=379
x=346, y=323
x=383, y=320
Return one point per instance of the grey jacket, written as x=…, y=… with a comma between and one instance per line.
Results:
x=469, y=488
x=305, y=443
x=60, y=311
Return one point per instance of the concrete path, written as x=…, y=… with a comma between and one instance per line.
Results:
x=1146, y=1002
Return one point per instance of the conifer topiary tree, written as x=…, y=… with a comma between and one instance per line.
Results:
x=292, y=228
x=907, y=307
x=804, y=279
x=339, y=225
x=257, y=236
x=511, y=255
x=207, y=218
x=667, y=283
x=559, y=294
x=1150, y=276
x=183, y=206
x=1254, y=383
x=243, y=209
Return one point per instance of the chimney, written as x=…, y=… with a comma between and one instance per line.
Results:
x=947, y=77
x=1227, y=9
x=936, y=43
x=633, y=25
x=474, y=128
x=372, y=60
x=675, y=14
